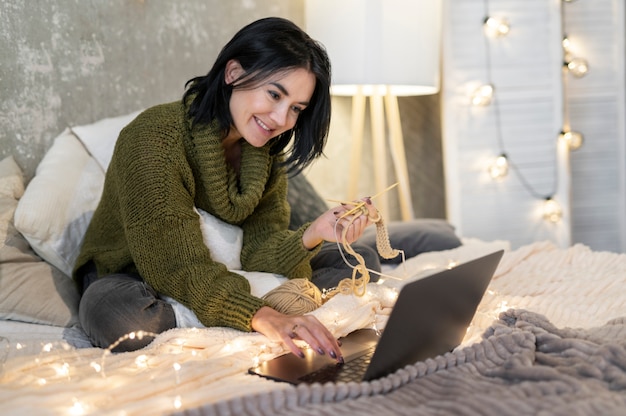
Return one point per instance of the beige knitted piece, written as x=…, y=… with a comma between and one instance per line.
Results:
x=358, y=285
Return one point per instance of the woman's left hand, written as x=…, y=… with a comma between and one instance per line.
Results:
x=331, y=225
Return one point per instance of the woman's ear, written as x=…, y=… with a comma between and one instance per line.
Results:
x=233, y=71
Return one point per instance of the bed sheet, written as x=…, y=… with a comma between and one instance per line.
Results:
x=536, y=292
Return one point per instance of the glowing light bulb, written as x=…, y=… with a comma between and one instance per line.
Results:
x=178, y=402
x=566, y=44
x=552, y=210
x=482, y=95
x=177, y=368
x=62, y=370
x=499, y=168
x=496, y=26
x=141, y=361
x=502, y=307
x=578, y=67
x=573, y=139
x=97, y=367
x=77, y=408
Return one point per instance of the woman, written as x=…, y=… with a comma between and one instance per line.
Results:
x=262, y=110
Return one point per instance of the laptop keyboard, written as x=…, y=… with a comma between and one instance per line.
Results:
x=353, y=370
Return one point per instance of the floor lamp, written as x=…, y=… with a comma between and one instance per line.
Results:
x=379, y=50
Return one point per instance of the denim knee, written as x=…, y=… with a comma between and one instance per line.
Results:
x=116, y=305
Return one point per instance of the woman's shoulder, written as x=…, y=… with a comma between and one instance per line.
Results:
x=168, y=114
x=154, y=130
x=157, y=123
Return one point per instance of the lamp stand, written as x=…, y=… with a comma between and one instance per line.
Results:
x=378, y=110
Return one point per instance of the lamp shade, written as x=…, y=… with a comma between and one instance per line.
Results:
x=391, y=44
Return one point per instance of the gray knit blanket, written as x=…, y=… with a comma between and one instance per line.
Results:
x=524, y=365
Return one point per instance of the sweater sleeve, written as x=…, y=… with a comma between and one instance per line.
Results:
x=268, y=245
x=155, y=186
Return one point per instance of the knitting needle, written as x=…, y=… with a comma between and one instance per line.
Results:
x=372, y=197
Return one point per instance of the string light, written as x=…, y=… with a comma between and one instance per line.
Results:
x=482, y=95
x=578, y=67
x=54, y=362
x=178, y=402
x=496, y=26
x=485, y=96
x=552, y=210
x=575, y=65
x=573, y=139
x=499, y=168
x=77, y=408
x=141, y=361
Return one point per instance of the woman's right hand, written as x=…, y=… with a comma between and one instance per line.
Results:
x=287, y=328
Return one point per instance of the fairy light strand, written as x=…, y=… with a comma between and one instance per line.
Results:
x=573, y=139
x=498, y=123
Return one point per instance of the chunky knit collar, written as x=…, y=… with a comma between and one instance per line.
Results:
x=229, y=197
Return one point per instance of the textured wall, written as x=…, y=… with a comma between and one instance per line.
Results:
x=72, y=62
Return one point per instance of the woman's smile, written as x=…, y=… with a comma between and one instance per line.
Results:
x=269, y=109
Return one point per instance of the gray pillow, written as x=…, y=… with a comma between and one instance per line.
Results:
x=305, y=202
x=31, y=290
x=414, y=237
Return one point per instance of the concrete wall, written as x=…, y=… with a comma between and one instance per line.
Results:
x=71, y=62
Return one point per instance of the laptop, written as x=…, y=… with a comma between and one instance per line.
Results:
x=430, y=317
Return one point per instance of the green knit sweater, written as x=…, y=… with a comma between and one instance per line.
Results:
x=145, y=223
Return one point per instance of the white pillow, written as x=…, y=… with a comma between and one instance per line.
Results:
x=224, y=240
x=99, y=138
x=58, y=203
x=55, y=210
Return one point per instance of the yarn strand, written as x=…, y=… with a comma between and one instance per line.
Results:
x=358, y=285
x=300, y=296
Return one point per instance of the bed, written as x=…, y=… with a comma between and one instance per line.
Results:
x=549, y=336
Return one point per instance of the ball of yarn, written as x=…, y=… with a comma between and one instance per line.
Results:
x=294, y=297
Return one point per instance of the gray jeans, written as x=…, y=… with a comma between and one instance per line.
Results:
x=329, y=267
x=116, y=305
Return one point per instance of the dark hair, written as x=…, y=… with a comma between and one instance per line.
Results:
x=263, y=48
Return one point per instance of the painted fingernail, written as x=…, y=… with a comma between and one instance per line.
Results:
x=332, y=354
x=301, y=354
x=339, y=342
x=320, y=351
x=341, y=360
x=336, y=212
x=368, y=200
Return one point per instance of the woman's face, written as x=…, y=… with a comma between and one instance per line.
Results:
x=270, y=108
